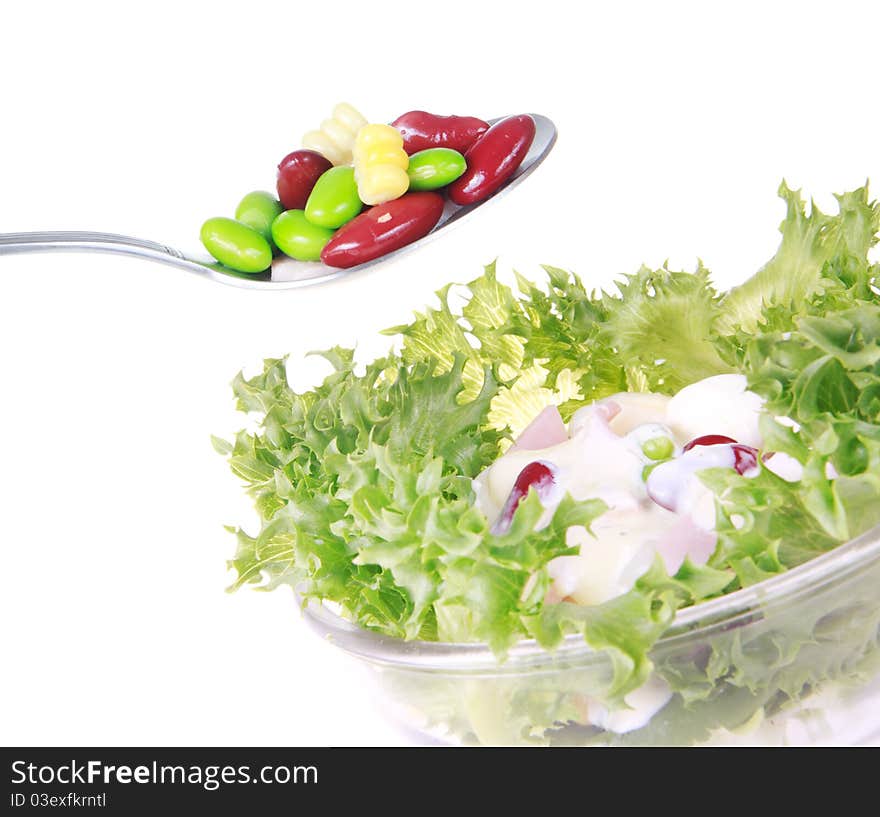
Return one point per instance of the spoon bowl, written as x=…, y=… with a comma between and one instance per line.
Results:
x=285, y=272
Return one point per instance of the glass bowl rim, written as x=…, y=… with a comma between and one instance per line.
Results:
x=692, y=622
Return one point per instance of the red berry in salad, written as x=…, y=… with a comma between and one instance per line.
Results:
x=745, y=458
x=538, y=475
x=707, y=439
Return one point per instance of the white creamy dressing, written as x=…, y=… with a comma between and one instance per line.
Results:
x=675, y=485
x=666, y=511
x=603, y=458
x=716, y=405
x=593, y=463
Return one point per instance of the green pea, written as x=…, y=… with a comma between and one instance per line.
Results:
x=236, y=245
x=297, y=237
x=334, y=199
x=646, y=471
x=434, y=168
x=658, y=448
x=258, y=210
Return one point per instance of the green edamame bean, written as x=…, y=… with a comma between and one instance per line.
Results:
x=658, y=448
x=334, y=199
x=258, y=210
x=434, y=168
x=297, y=237
x=236, y=245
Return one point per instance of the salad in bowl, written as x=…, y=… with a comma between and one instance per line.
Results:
x=556, y=515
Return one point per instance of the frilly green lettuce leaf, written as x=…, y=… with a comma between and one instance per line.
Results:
x=809, y=241
x=364, y=494
x=364, y=487
x=662, y=323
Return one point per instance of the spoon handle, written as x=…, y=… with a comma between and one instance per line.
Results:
x=75, y=240
x=80, y=241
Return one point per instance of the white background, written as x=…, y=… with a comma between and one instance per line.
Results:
x=677, y=122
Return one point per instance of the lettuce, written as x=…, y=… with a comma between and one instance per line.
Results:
x=809, y=242
x=364, y=491
x=363, y=484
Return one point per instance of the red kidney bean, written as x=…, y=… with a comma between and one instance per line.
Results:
x=667, y=480
x=538, y=475
x=707, y=439
x=422, y=130
x=297, y=174
x=493, y=159
x=383, y=229
x=745, y=458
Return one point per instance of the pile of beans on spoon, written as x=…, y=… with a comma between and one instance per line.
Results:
x=357, y=190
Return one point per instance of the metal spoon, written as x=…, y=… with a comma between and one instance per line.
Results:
x=285, y=273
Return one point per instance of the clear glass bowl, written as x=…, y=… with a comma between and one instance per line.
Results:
x=794, y=660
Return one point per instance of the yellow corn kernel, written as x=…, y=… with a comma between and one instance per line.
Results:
x=382, y=183
x=380, y=164
x=318, y=141
x=348, y=116
x=372, y=136
x=335, y=139
x=337, y=133
x=386, y=156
